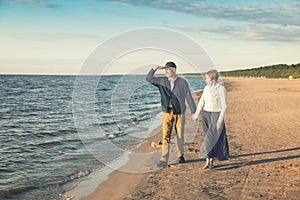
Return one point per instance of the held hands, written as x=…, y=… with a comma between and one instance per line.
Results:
x=194, y=117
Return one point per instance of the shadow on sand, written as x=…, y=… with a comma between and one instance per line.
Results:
x=253, y=162
x=261, y=161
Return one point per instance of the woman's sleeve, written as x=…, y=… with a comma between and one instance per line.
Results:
x=201, y=103
x=223, y=98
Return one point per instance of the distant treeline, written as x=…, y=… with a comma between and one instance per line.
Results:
x=273, y=71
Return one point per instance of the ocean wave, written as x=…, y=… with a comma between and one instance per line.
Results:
x=49, y=143
x=79, y=174
x=9, y=192
x=7, y=170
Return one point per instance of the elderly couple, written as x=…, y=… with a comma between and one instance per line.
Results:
x=174, y=93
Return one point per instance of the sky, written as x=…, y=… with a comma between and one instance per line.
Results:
x=58, y=37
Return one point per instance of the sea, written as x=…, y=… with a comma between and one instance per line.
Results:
x=43, y=151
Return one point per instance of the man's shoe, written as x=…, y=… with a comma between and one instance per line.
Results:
x=162, y=163
x=181, y=159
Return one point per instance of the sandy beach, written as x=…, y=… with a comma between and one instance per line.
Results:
x=263, y=125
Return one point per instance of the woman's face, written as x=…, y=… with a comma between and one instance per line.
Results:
x=208, y=80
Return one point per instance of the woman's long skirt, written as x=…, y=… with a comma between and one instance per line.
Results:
x=215, y=140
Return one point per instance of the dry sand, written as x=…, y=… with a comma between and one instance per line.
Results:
x=263, y=122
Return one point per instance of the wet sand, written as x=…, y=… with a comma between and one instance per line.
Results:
x=263, y=126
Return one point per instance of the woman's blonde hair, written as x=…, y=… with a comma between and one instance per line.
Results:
x=213, y=74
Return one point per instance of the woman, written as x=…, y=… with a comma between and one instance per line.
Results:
x=213, y=103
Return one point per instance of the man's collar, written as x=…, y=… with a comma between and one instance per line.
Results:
x=172, y=79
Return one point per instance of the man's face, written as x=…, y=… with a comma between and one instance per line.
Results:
x=170, y=72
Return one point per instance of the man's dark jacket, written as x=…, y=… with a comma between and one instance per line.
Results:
x=177, y=97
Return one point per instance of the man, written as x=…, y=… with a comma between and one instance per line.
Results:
x=174, y=92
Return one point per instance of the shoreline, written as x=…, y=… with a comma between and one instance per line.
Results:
x=107, y=176
x=92, y=187
x=89, y=184
x=264, y=154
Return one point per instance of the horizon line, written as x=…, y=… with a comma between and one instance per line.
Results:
x=120, y=74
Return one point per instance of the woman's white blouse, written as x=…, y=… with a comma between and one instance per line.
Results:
x=213, y=99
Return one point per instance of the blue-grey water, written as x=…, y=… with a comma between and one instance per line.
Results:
x=41, y=152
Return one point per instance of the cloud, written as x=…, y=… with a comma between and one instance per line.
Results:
x=256, y=32
x=115, y=13
x=268, y=33
x=36, y=3
x=283, y=13
x=271, y=21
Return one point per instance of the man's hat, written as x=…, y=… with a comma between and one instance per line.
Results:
x=169, y=64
